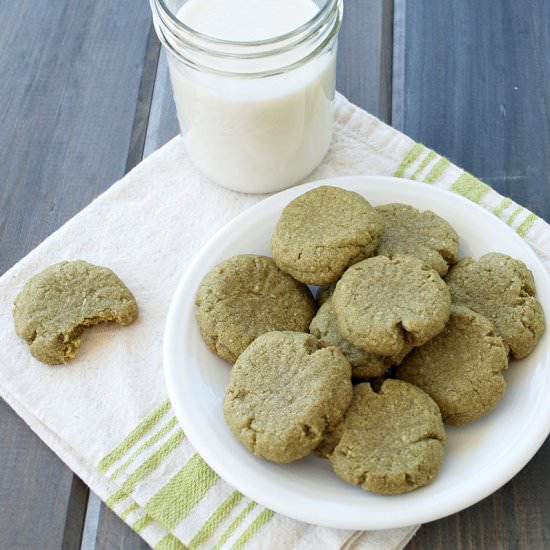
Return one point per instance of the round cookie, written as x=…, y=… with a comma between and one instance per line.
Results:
x=245, y=296
x=392, y=441
x=56, y=305
x=364, y=364
x=424, y=235
x=503, y=290
x=322, y=232
x=286, y=390
x=383, y=305
x=461, y=368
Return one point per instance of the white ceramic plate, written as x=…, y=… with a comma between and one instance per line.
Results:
x=480, y=457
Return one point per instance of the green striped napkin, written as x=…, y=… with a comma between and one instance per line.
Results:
x=106, y=415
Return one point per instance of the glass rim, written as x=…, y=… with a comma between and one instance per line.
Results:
x=327, y=6
x=258, y=74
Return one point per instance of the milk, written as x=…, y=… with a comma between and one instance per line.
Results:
x=254, y=135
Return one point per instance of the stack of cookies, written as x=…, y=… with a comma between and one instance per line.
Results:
x=402, y=337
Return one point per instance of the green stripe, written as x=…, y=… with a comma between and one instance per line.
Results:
x=170, y=542
x=410, y=157
x=526, y=224
x=182, y=493
x=502, y=206
x=252, y=529
x=151, y=441
x=145, y=469
x=216, y=519
x=470, y=187
x=438, y=168
x=142, y=523
x=514, y=215
x=236, y=522
x=427, y=159
x=129, y=510
x=142, y=428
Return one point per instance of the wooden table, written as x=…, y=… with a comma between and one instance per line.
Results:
x=84, y=96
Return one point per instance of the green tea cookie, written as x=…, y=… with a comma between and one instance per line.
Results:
x=461, y=368
x=383, y=305
x=286, y=389
x=365, y=364
x=246, y=296
x=322, y=232
x=57, y=304
x=424, y=235
x=324, y=293
x=392, y=441
x=503, y=290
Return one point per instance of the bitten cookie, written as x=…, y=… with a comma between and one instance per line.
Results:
x=56, y=305
x=392, y=441
x=503, y=290
x=383, y=305
x=286, y=389
x=461, y=368
x=322, y=232
x=246, y=296
x=364, y=364
x=424, y=235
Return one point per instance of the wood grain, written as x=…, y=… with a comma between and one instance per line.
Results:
x=471, y=80
x=473, y=84
x=35, y=489
x=364, y=70
x=70, y=75
x=113, y=533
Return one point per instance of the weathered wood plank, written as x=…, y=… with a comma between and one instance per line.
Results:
x=35, y=488
x=114, y=533
x=474, y=84
x=471, y=80
x=364, y=70
x=163, y=122
x=69, y=81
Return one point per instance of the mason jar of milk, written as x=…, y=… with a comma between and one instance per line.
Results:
x=253, y=83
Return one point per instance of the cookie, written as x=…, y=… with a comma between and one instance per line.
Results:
x=392, y=441
x=56, y=305
x=384, y=305
x=424, y=235
x=322, y=232
x=461, y=368
x=503, y=290
x=246, y=296
x=364, y=364
x=286, y=390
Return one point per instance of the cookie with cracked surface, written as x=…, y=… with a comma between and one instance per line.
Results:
x=461, y=368
x=424, y=235
x=392, y=441
x=322, y=232
x=364, y=364
x=57, y=304
x=286, y=390
x=383, y=305
x=246, y=296
x=503, y=290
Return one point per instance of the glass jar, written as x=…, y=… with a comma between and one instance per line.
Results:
x=255, y=116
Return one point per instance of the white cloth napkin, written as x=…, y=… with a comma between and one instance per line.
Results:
x=106, y=414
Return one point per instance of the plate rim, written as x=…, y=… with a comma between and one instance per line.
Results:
x=535, y=441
